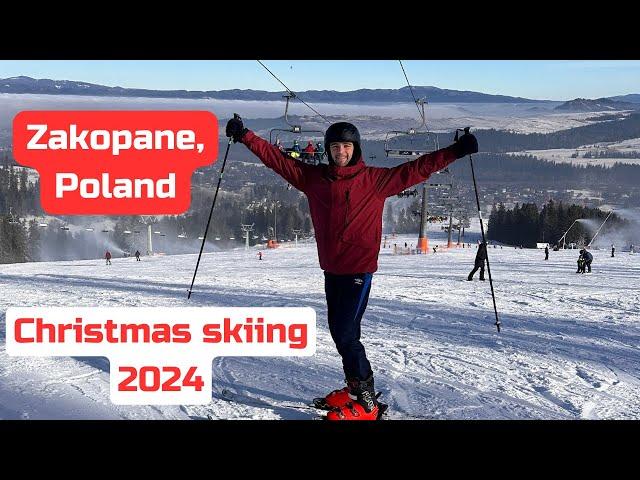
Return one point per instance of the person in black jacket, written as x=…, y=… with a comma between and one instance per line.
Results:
x=481, y=257
x=546, y=252
x=588, y=258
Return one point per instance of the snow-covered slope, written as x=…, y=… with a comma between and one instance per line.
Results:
x=570, y=345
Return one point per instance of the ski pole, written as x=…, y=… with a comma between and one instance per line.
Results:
x=204, y=238
x=475, y=186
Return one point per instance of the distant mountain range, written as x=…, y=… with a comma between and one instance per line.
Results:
x=432, y=94
x=28, y=85
x=597, y=105
x=632, y=98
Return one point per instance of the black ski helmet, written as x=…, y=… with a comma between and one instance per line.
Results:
x=343, y=132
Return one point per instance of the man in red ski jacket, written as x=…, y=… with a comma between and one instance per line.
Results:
x=346, y=201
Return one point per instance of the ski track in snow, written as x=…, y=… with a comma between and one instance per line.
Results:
x=569, y=348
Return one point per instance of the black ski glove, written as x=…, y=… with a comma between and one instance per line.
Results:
x=465, y=145
x=235, y=128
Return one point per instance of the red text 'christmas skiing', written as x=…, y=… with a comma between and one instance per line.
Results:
x=161, y=355
x=115, y=162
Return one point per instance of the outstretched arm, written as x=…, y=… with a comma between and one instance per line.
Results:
x=291, y=170
x=394, y=180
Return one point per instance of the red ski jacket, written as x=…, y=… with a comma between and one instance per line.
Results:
x=346, y=203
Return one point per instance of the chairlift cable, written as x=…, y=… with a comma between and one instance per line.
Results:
x=293, y=93
x=411, y=90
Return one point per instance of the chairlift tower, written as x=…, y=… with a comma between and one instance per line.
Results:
x=275, y=204
x=12, y=219
x=246, y=229
x=147, y=220
x=410, y=145
x=296, y=232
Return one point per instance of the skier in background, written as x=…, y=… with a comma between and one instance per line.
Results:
x=309, y=152
x=481, y=257
x=613, y=250
x=107, y=257
x=588, y=258
x=137, y=255
x=346, y=200
x=546, y=252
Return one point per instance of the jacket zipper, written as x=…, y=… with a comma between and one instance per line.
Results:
x=346, y=216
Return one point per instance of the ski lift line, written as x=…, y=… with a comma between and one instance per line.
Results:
x=411, y=90
x=293, y=93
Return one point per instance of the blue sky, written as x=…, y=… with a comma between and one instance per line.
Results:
x=552, y=80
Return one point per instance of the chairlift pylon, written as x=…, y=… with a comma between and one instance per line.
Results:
x=411, y=143
x=12, y=218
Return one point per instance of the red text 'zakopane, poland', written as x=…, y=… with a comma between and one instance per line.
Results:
x=115, y=162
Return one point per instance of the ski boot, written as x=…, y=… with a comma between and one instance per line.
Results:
x=363, y=404
x=336, y=398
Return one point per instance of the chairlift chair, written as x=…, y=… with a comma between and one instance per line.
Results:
x=295, y=129
x=408, y=193
x=411, y=143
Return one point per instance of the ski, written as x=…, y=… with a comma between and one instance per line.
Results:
x=244, y=399
x=229, y=396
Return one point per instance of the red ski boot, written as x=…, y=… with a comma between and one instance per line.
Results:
x=363, y=404
x=337, y=398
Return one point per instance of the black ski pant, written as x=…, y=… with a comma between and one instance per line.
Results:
x=475, y=269
x=347, y=298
